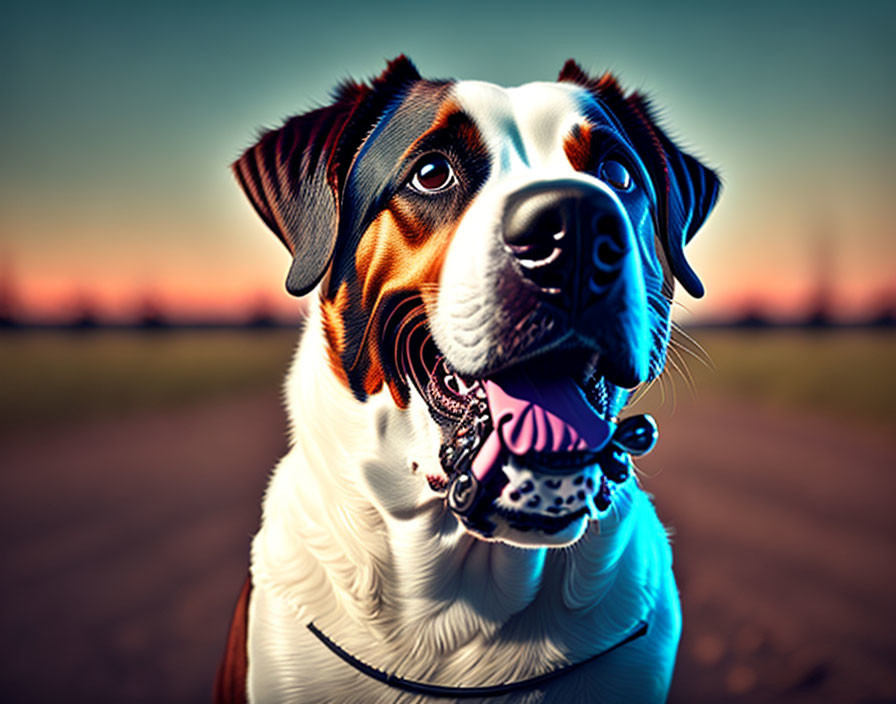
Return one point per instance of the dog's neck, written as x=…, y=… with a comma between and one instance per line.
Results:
x=375, y=559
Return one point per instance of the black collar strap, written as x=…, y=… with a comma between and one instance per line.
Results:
x=494, y=690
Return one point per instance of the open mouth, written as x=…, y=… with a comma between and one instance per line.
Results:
x=533, y=445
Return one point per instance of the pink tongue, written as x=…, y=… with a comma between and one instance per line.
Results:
x=548, y=415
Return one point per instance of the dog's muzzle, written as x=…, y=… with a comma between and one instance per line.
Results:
x=569, y=240
x=550, y=425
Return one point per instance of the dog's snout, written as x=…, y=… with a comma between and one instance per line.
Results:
x=608, y=247
x=569, y=238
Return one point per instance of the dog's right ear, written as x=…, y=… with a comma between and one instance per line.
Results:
x=294, y=175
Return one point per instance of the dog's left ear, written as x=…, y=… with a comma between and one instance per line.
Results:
x=294, y=175
x=686, y=189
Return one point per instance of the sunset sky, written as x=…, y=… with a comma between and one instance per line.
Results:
x=119, y=122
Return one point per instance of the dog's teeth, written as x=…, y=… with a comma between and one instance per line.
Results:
x=438, y=483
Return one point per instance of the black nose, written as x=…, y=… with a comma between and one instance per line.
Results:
x=569, y=238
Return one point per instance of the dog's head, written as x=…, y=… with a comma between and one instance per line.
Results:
x=509, y=255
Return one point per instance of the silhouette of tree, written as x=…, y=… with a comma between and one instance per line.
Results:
x=150, y=314
x=85, y=315
x=261, y=312
x=820, y=303
x=883, y=311
x=9, y=300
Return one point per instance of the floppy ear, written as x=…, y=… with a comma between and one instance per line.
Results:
x=294, y=175
x=686, y=189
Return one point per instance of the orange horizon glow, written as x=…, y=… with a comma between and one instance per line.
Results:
x=120, y=301
x=117, y=192
x=66, y=300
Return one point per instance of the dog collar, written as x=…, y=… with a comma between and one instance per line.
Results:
x=437, y=690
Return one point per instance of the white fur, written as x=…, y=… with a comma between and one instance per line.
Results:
x=524, y=129
x=353, y=538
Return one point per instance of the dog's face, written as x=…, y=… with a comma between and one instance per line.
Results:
x=507, y=255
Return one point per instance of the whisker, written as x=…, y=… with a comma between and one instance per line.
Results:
x=414, y=300
x=673, y=393
x=679, y=365
x=370, y=322
x=642, y=390
x=679, y=304
x=639, y=473
x=413, y=321
x=699, y=353
x=662, y=382
x=680, y=348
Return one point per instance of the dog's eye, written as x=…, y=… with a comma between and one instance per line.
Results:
x=616, y=175
x=433, y=174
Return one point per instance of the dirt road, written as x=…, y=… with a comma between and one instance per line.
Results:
x=125, y=541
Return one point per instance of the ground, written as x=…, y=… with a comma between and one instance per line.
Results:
x=125, y=538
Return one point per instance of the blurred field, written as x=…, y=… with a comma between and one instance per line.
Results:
x=132, y=467
x=52, y=376
x=846, y=375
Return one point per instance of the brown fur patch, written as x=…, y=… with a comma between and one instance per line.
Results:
x=333, y=311
x=577, y=147
x=396, y=255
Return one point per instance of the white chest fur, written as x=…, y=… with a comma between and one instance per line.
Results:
x=354, y=540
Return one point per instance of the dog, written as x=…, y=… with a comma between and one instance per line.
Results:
x=456, y=518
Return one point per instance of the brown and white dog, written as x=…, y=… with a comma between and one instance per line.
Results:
x=492, y=272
